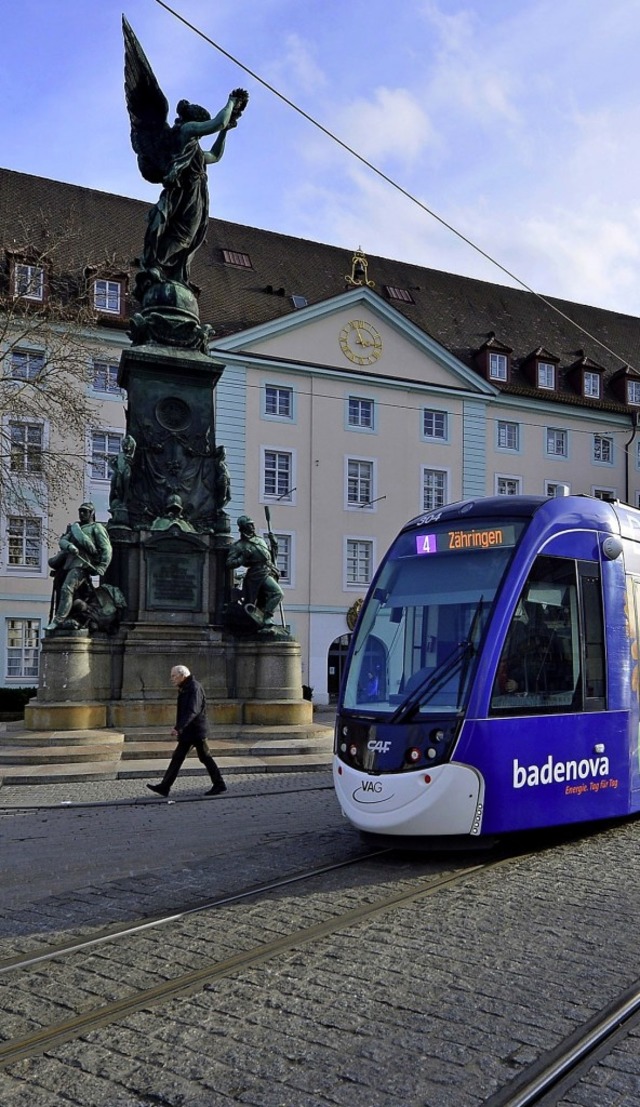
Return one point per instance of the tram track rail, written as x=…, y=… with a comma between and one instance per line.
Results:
x=544, y=1082
x=49, y=1036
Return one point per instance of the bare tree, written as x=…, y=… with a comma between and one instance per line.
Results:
x=47, y=332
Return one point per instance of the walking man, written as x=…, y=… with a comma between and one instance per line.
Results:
x=190, y=730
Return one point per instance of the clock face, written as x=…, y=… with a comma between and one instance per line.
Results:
x=360, y=342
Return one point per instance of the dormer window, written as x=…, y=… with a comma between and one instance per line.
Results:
x=633, y=392
x=493, y=360
x=546, y=375
x=585, y=376
x=28, y=281
x=107, y=296
x=540, y=368
x=498, y=367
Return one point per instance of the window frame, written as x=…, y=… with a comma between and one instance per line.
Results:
x=608, y=438
x=446, y=474
x=436, y=413
x=359, y=427
x=497, y=366
x=30, y=355
x=114, y=391
x=26, y=469
x=589, y=375
x=39, y=270
x=507, y=477
x=508, y=425
x=351, y=540
x=21, y=567
x=32, y=624
x=108, y=432
x=109, y=282
x=552, y=369
x=286, y=538
x=277, y=416
x=277, y=497
x=554, y=453
x=351, y=504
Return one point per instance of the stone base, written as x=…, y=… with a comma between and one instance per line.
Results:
x=65, y=716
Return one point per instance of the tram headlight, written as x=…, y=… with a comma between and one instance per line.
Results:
x=414, y=754
x=437, y=735
x=353, y=750
x=431, y=753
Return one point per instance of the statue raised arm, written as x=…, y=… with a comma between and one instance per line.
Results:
x=172, y=156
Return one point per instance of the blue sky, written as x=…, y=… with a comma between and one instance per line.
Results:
x=517, y=121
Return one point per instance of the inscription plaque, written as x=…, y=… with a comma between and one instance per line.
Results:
x=174, y=581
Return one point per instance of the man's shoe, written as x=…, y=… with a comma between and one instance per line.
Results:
x=158, y=789
x=217, y=789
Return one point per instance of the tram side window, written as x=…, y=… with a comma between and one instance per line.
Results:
x=594, y=659
x=539, y=669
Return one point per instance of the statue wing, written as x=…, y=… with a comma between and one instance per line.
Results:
x=148, y=110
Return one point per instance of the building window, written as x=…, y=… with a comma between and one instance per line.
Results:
x=23, y=647
x=27, y=443
x=28, y=281
x=278, y=475
x=508, y=486
x=592, y=385
x=105, y=446
x=359, y=483
x=283, y=560
x=24, y=542
x=435, y=425
x=602, y=449
x=546, y=375
x=359, y=562
x=557, y=442
x=434, y=488
x=498, y=367
x=551, y=488
x=278, y=402
x=232, y=257
x=508, y=436
x=606, y=494
x=105, y=377
x=107, y=296
x=360, y=413
x=26, y=365
x=633, y=392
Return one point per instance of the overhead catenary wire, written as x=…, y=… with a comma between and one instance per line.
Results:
x=389, y=180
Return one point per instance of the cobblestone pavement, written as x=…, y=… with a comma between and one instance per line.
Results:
x=434, y=1004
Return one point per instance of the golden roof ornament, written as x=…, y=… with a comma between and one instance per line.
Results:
x=359, y=276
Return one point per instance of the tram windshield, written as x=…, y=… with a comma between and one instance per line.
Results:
x=416, y=641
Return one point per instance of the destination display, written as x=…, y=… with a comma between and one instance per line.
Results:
x=469, y=538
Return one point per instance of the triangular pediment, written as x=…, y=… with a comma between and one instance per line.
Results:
x=357, y=333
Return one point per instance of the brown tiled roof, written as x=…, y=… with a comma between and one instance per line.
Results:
x=459, y=313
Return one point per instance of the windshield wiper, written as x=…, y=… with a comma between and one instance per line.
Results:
x=460, y=656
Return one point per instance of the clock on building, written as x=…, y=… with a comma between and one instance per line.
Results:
x=360, y=342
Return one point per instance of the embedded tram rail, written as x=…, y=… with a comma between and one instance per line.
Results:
x=47, y=1037
x=351, y=976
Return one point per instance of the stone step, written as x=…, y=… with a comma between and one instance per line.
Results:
x=47, y=738
x=52, y=755
x=41, y=757
x=274, y=747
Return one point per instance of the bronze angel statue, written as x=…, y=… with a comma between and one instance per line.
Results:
x=172, y=156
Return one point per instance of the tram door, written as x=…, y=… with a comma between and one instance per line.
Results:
x=633, y=615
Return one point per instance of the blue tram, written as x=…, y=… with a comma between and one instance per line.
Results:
x=492, y=679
